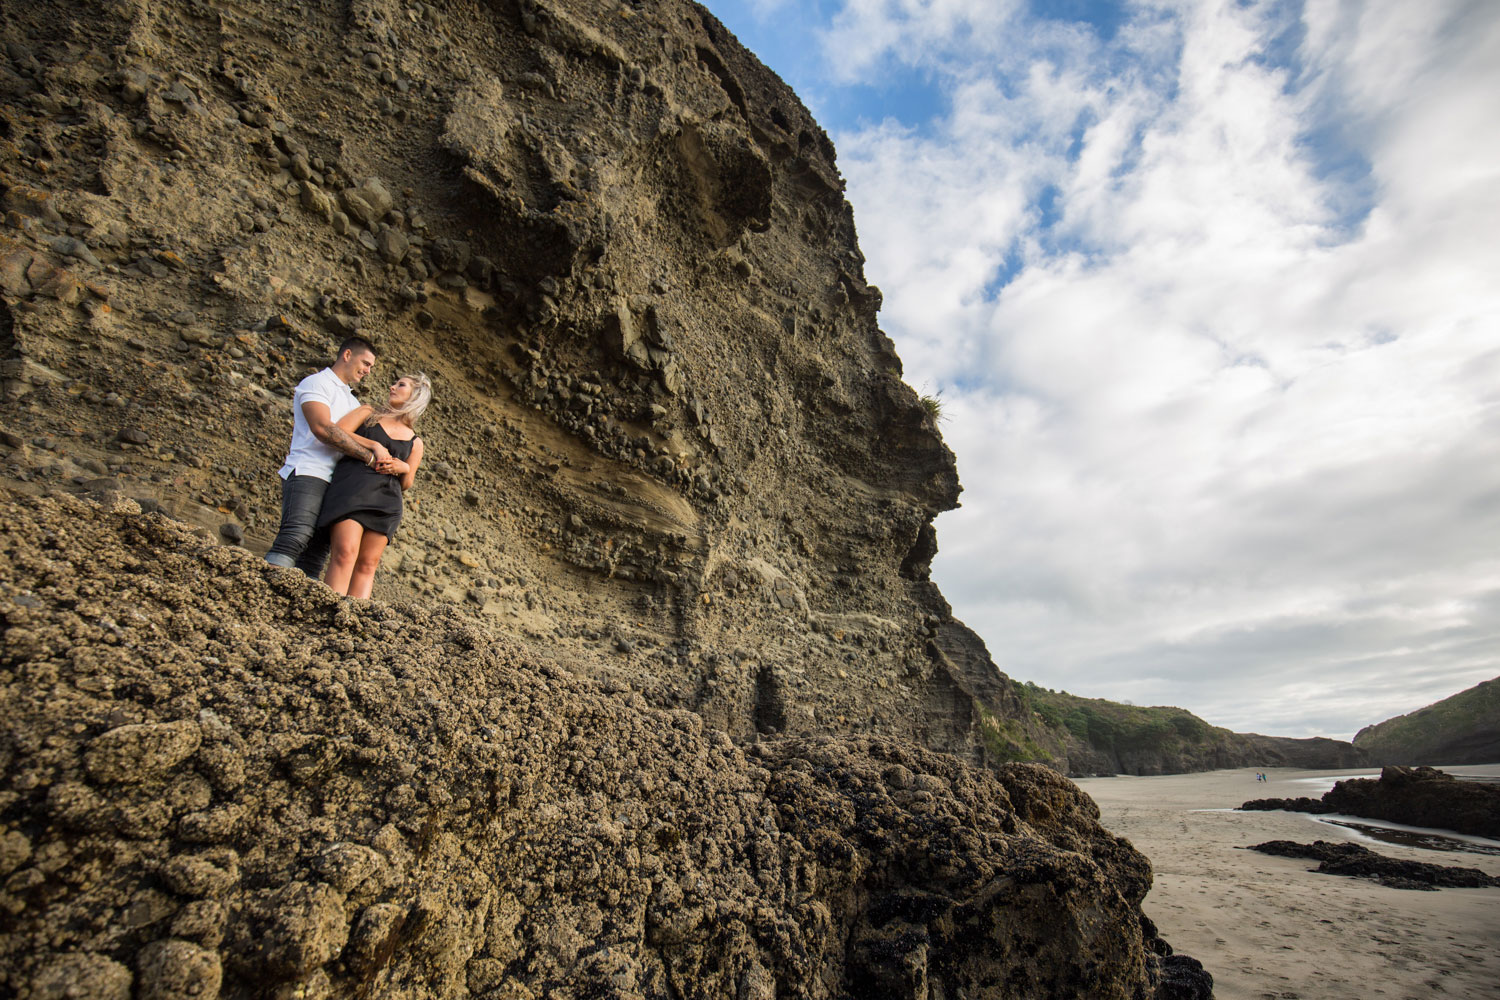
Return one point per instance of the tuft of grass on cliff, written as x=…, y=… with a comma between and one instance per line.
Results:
x=1007, y=740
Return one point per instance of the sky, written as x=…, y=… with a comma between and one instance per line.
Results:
x=1210, y=292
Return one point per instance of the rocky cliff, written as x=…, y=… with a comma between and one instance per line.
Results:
x=657, y=698
x=669, y=435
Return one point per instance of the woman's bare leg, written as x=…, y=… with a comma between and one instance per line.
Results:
x=371, y=548
x=345, y=537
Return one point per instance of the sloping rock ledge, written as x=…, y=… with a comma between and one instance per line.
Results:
x=222, y=780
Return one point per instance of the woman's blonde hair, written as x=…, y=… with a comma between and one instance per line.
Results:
x=409, y=411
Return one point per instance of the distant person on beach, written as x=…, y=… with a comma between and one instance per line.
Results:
x=363, y=504
x=317, y=444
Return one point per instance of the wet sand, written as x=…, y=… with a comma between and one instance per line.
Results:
x=1267, y=927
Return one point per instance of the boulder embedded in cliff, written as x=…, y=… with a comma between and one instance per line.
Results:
x=368, y=202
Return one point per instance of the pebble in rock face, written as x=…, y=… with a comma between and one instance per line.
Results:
x=392, y=244
x=83, y=974
x=173, y=969
x=368, y=202
x=135, y=753
x=76, y=248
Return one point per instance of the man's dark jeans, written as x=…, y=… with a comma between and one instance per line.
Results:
x=299, y=543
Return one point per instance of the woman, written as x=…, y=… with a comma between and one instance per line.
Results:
x=363, y=504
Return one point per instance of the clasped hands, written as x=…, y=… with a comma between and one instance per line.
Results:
x=386, y=463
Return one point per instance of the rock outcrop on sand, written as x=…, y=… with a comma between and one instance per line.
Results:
x=1416, y=796
x=1355, y=861
x=221, y=779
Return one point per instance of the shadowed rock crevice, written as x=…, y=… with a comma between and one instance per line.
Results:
x=770, y=702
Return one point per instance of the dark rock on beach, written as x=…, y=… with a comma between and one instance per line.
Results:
x=1356, y=861
x=1415, y=796
x=1301, y=804
x=1421, y=796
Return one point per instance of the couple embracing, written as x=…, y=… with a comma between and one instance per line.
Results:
x=348, y=466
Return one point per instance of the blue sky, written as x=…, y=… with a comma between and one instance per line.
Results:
x=1209, y=289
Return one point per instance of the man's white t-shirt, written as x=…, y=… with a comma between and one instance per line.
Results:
x=309, y=456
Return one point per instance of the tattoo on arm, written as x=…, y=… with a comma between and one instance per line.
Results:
x=341, y=439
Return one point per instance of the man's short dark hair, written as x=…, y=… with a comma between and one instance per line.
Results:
x=355, y=344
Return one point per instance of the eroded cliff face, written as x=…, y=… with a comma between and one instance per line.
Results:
x=669, y=435
x=219, y=779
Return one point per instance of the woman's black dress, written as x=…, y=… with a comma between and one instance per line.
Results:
x=360, y=493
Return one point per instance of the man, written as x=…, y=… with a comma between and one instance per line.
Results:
x=317, y=445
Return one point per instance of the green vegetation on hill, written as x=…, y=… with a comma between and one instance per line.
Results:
x=1462, y=729
x=1095, y=736
x=1118, y=731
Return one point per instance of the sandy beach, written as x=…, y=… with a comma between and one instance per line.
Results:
x=1267, y=927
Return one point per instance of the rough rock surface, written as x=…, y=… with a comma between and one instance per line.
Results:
x=1355, y=861
x=1416, y=796
x=657, y=699
x=335, y=798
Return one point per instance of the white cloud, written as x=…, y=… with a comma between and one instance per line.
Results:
x=1232, y=441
